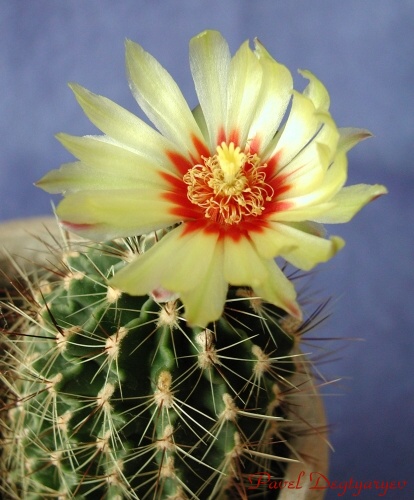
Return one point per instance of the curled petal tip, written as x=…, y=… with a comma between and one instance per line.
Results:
x=295, y=311
x=74, y=87
x=381, y=191
x=351, y=136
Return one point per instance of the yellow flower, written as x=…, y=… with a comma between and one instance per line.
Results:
x=240, y=182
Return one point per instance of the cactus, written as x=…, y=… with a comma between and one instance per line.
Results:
x=113, y=396
x=165, y=363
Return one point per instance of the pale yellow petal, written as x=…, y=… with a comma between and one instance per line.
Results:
x=350, y=137
x=104, y=165
x=301, y=126
x=122, y=125
x=77, y=176
x=242, y=264
x=180, y=262
x=301, y=244
x=209, y=62
x=190, y=264
x=274, y=97
x=316, y=91
x=110, y=214
x=268, y=244
x=302, y=213
x=106, y=153
x=328, y=135
x=335, y=178
x=161, y=99
x=201, y=121
x=349, y=201
x=205, y=302
x=306, y=250
x=245, y=78
x=333, y=181
x=279, y=291
x=306, y=171
x=145, y=273
x=319, y=250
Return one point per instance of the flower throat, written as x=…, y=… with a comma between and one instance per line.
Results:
x=229, y=185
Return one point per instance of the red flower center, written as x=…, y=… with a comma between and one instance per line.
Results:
x=229, y=185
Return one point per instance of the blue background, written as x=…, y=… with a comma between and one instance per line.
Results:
x=363, y=50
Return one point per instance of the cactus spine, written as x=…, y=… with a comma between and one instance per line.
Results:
x=111, y=396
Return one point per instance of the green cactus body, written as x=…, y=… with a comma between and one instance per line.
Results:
x=113, y=396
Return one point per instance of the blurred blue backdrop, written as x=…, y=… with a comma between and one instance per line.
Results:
x=364, y=53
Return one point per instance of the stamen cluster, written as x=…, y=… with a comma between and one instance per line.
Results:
x=229, y=186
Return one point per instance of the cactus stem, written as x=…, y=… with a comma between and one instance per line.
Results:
x=113, y=395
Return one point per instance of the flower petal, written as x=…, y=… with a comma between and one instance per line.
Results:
x=274, y=97
x=349, y=201
x=305, y=172
x=245, y=78
x=242, y=264
x=333, y=181
x=121, y=125
x=110, y=214
x=205, y=303
x=301, y=213
x=301, y=126
x=161, y=99
x=279, y=291
x=105, y=164
x=190, y=262
x=316, y=91
x=350, y=137
x=145, y=273
x=267, y=243
x=328, y=135
x=300, y=244
x=77, y=176
x=209, y=62
x=178, y=262
x=187, y=263
x=201, y=120
x=307, y=250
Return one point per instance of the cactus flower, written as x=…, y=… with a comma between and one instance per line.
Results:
x=252, y=173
